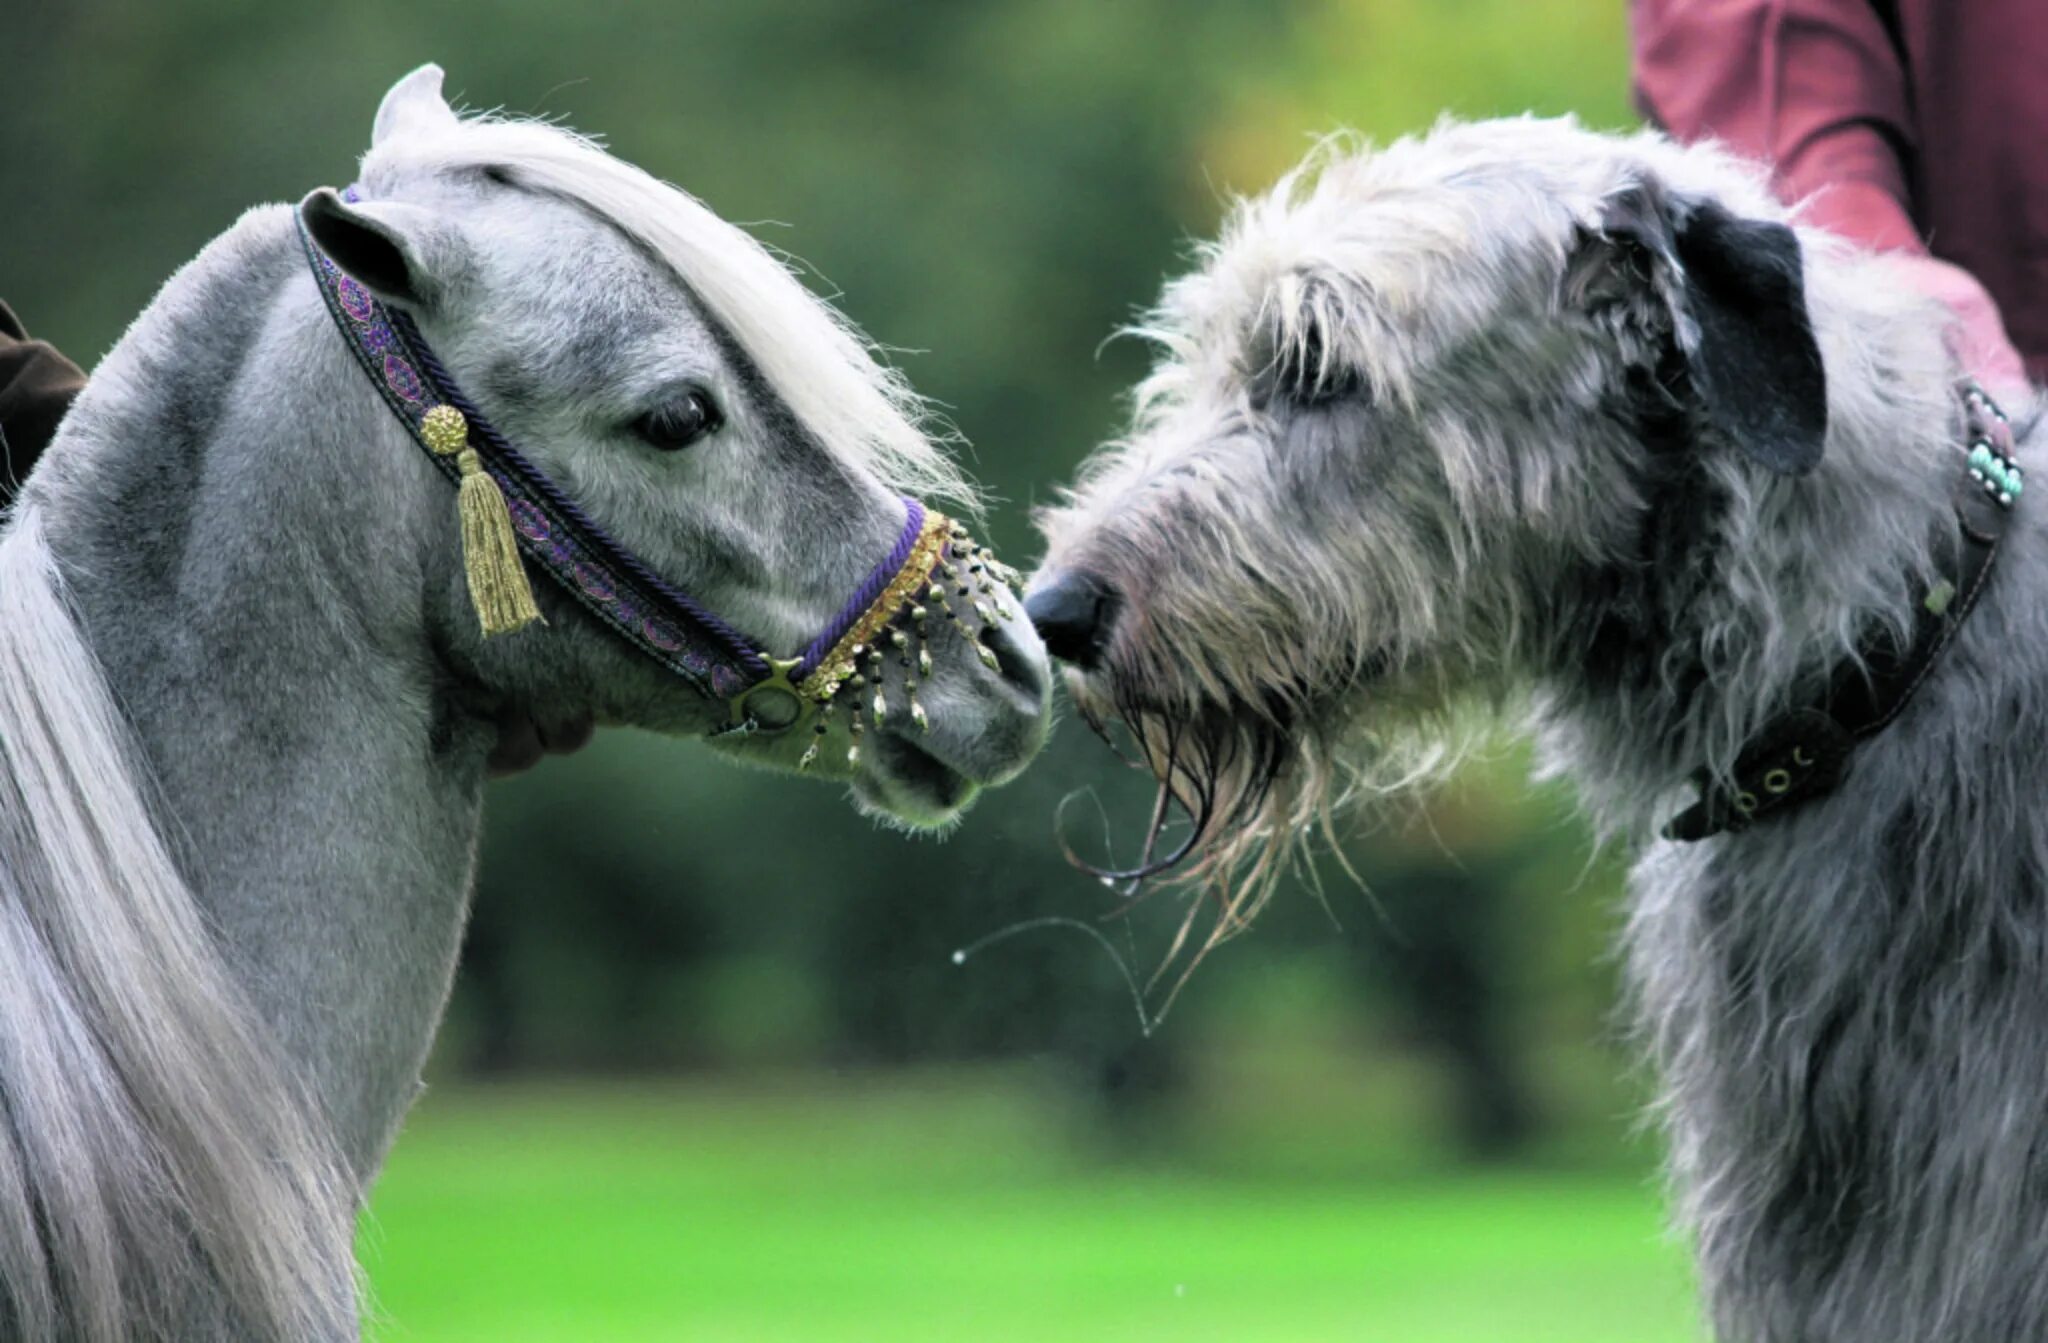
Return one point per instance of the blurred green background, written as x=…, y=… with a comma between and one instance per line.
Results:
x=711, y=1071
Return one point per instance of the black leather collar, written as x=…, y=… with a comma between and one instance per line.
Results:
x=1804, y=753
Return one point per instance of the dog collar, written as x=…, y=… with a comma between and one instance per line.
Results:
x=1804, y=754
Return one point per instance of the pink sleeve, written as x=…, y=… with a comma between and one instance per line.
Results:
x=1815, y=88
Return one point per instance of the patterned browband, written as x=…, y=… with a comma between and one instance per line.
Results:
x=933, y=561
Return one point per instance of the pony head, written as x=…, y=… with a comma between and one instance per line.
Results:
x=676, y=381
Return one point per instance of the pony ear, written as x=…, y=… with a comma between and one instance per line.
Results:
x=1732, y=294
x=401, y=253
x=413, y=105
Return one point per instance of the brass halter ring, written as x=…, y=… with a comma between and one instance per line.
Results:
x=792, y=707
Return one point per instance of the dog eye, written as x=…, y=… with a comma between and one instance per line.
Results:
x=675, y=425
x=1301, y=373
x=1336, y=384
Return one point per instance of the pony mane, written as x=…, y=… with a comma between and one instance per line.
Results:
x=150, y=1136
x=830, y=374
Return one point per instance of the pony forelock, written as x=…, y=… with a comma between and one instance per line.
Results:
x=833, y=378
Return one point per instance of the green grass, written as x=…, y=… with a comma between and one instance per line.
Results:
x=959, y=1209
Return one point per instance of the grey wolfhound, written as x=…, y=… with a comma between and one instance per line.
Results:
x=1590, y=424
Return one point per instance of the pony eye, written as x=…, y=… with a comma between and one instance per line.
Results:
x=674, y=425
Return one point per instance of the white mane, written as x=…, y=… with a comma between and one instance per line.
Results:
x=151, y=1139
x=818, y=362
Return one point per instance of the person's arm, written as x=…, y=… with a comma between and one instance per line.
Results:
x=37, y=386
x=1816, y=89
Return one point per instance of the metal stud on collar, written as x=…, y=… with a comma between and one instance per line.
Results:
x=1991, y=448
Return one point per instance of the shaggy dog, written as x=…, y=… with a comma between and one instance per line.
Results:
x=1589, y=428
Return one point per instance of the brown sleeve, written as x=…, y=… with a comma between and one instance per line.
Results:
x=37, y=385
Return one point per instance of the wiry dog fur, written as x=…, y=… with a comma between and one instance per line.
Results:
x=1519, y=412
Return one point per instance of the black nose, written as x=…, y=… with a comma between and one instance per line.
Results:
x=1073, y=613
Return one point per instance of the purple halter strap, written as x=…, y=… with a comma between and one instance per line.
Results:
x=857, y=605
x=555, y=535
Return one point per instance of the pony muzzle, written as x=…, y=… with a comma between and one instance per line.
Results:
x=871, y=673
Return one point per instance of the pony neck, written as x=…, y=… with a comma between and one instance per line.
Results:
x=243, y=531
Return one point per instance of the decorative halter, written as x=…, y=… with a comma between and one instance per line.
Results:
x=513, y=514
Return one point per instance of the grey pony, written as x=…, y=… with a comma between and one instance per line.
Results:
x=1589, y=427
x=245, y=705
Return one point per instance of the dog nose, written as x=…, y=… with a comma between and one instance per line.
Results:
x=1073, y=612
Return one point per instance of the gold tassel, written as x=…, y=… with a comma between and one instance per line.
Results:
x=498, y=586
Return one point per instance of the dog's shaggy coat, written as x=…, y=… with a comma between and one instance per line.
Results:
x=1518, y=408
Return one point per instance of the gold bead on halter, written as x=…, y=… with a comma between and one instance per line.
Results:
x=498, y=586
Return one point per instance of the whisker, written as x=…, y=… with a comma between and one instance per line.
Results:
x=1147, y=1022
x=1160, y=802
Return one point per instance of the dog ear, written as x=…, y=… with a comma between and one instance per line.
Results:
x=1731, y=294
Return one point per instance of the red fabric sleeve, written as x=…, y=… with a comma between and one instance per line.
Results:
x=1814, y=88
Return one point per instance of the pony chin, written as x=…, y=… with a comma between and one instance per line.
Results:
x=897, y=783
x=907, y=808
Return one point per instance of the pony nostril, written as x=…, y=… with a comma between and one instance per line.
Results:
x=1015, y=665
x=1073, y=614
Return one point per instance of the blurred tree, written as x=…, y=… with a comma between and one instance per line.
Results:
x=1445, y=953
